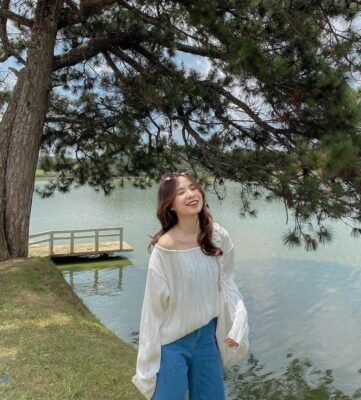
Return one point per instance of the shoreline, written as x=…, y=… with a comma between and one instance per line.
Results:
x=51, y=345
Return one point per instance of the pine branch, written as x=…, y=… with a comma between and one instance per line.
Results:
x=211, y=52
x=154, y=60
x=90, y=49
x=8, y=50
x=88, y=7
x=3, y=33
x=64, y=120
x=4, y=13
x=111, y=63
x=219, y=89
x=181, y=47
x=127, y=59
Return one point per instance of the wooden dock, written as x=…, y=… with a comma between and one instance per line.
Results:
x=75, y=243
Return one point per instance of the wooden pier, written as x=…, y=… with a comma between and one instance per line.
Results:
x=48, y=244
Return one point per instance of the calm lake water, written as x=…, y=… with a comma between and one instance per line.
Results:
x=304, y=308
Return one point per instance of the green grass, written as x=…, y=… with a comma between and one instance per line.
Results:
x=51, y=346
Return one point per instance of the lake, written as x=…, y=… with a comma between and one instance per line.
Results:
x=304, y=307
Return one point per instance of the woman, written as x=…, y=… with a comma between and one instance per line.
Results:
x=193, y=318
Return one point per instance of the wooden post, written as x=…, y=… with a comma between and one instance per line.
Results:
x=121, y=238
x=96, y=240
x=71, y=242
x=51, y=243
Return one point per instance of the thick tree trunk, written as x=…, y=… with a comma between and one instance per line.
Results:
x=21, y=130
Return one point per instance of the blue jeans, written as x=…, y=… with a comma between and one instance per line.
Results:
x=192, y=362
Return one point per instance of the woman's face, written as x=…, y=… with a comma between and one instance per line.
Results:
x=188, y=200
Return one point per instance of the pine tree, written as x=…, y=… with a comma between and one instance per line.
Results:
x=277, y=111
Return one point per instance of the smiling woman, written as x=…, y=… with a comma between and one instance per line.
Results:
x=184, y=217
x=183, y=334
x=188, y=200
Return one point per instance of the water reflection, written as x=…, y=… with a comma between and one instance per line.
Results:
x=105, y=288
x=300, y=380
x=134, y=337
x=94, y=268
x=312, y=310
x=98, y=287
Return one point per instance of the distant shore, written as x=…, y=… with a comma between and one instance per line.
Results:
x=42, y=174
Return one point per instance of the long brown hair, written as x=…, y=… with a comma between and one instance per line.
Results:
x=168, y=218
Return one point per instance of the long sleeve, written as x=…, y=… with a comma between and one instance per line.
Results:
x=234, y=301
x=154, y=306
x=236, y=318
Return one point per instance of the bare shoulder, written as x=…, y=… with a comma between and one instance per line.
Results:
x=166, y=241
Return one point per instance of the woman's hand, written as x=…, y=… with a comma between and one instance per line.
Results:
x=230, y=342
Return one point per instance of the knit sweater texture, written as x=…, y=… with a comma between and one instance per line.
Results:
x=182, y=295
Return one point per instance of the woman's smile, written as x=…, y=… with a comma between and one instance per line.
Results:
x=188, y=198
x=192, y=203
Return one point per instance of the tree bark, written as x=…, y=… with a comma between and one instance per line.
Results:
x=20, y=132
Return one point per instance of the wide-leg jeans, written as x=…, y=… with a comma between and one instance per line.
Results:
x=192, y=362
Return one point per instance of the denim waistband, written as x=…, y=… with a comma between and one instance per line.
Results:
x=202, y=334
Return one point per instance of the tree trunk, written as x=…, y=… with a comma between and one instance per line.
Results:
x=21, y=130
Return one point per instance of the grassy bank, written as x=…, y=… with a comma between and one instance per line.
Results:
x=51, y=346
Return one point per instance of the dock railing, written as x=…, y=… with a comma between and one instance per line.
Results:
x=71, y=236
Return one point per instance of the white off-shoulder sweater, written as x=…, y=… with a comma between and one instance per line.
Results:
x=181, y=295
